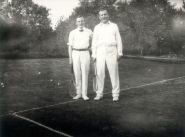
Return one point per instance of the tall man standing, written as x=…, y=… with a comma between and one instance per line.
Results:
x=79, y=44
x=106, y=49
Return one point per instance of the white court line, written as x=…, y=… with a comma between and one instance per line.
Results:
x=67, y=135
x=150, y=84
x=41, y=125
x=123, y=89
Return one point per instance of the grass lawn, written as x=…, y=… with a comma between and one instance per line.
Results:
x=149, y=111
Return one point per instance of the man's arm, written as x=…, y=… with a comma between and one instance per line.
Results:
x=70, y=43
x=70, y=54
x=94, y=44
x=119, y=43
x=90, y=41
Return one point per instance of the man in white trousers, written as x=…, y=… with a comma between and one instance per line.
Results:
x=106, y=50
x=79, y=56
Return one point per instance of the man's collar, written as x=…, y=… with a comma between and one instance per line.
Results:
x=81, y=29
x=108, y=22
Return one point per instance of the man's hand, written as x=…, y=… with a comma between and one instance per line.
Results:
x=93, y=59
x=70, y=61
x=119, y=57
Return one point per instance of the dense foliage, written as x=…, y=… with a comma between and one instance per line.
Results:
x=22, y=25
x=146, y=26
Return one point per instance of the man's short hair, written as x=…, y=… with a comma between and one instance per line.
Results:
x=103, y=9
x=79, y=16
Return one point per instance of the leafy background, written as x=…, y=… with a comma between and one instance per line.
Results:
x=148, y=27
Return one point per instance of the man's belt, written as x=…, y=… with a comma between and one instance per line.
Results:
x=80, y=49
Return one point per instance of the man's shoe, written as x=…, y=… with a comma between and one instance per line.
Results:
x=115, y=99
x=98, y=97
x=76, y=97
x=86, y=98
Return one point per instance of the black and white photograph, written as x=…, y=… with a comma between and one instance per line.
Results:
x=92, y=68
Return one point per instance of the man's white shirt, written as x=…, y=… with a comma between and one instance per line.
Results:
x=80, y=39
x=106, y=35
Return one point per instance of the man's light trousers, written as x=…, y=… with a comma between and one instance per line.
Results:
x=81, y=66
x=107, y=56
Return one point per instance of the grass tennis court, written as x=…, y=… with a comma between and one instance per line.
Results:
x=36, y=91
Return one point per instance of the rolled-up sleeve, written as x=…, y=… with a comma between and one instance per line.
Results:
x=119, y=42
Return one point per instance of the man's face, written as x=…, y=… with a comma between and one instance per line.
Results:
x=80, y=22
x=104, y=16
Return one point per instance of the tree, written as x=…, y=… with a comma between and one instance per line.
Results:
x=34, y=17
x=145, y=25
x=24, y=24
x=148, y=22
